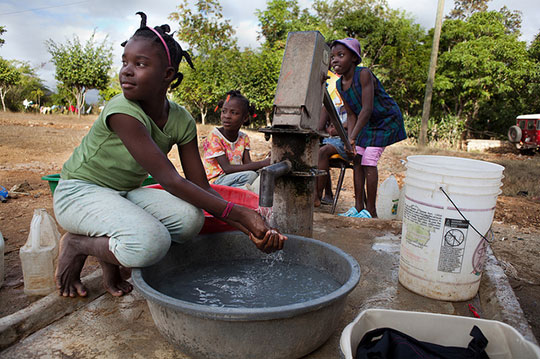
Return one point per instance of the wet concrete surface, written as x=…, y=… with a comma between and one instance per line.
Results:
x=111, y=327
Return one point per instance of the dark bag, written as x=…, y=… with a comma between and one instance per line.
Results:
x=387, y=343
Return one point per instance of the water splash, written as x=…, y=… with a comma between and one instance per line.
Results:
x=266, y=213
x=273, y=259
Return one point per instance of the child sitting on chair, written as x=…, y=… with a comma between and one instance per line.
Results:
x=330, y=145
x=226, y=149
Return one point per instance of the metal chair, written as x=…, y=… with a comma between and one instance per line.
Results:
x=336, y=161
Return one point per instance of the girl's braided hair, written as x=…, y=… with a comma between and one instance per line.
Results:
x=250, y=109
x=175, y=49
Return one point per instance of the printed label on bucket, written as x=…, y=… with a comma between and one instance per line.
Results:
x=453, y=245
x=420, y=224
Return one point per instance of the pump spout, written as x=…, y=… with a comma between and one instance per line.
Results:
x=268, y=181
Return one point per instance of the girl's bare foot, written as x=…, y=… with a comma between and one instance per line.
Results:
x=70, y=263
x=112, y=280
x=125, y=272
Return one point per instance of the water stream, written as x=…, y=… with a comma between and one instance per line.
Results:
x=266, y=213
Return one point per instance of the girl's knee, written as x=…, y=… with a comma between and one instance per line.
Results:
x=187, y=225
x=145, y=248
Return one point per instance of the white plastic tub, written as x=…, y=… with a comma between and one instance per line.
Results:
x=449, y=330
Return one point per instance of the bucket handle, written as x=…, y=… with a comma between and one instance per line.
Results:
x=469, y=222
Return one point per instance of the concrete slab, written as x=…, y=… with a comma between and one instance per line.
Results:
x=122, y=327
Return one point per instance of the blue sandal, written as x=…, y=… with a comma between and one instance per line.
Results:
x=352, y=212
x=362, y=214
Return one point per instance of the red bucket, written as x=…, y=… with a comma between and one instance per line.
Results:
x=232, y=194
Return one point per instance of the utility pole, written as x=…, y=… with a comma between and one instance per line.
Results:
x=422, y=141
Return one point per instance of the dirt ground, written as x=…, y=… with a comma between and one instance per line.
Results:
x=32, y=146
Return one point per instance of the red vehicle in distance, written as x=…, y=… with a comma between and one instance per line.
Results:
x=525, y=134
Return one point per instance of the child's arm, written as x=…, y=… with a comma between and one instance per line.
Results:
x=324, y=120
x=368, y=93
x=247, y=164
x=144, y=150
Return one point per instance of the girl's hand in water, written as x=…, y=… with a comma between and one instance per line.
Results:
x=271, y=242
x=266, y=239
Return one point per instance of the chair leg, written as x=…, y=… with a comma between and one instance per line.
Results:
x=338, y=188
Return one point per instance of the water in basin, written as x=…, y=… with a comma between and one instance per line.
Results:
x=247, y=283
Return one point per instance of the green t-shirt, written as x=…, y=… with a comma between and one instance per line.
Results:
x=102, y=158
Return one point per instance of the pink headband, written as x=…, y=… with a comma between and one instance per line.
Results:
x=164, y=43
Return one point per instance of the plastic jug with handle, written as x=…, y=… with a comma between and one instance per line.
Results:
x=39, y=254
x=388, y=199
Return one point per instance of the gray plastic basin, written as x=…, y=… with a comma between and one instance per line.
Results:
x=289, y=331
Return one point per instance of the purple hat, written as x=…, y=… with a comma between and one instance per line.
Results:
x=351, y=44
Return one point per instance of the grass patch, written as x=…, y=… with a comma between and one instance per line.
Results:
x=521, y=176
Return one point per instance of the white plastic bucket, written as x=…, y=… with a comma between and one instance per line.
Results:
x=504, y=342
x=442, y=255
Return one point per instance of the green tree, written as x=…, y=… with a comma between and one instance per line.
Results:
x=276, y=21
x=484, y=71
x=512, y=20
x=205, y=29
x=532, y=101
x=281, y=17
x=81, y=67
x=463, y=9
x=9, y=77
x=27, y=87
x=258, y=79
x=213, y=76
x=112, y=89
x=63, y=96
x=212, y=38
x=37, y=94
x=2, y=31
x=534, y=48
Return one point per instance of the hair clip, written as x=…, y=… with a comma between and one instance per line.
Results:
x=217, y=108
x=228, y=98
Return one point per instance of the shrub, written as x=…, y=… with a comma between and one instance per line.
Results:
x=444, y=132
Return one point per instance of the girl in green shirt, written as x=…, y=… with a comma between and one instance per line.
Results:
x=99, y=201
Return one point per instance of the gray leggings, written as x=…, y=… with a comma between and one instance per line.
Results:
x=140, y=223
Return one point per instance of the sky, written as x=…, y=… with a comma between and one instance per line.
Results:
x=30, y=23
